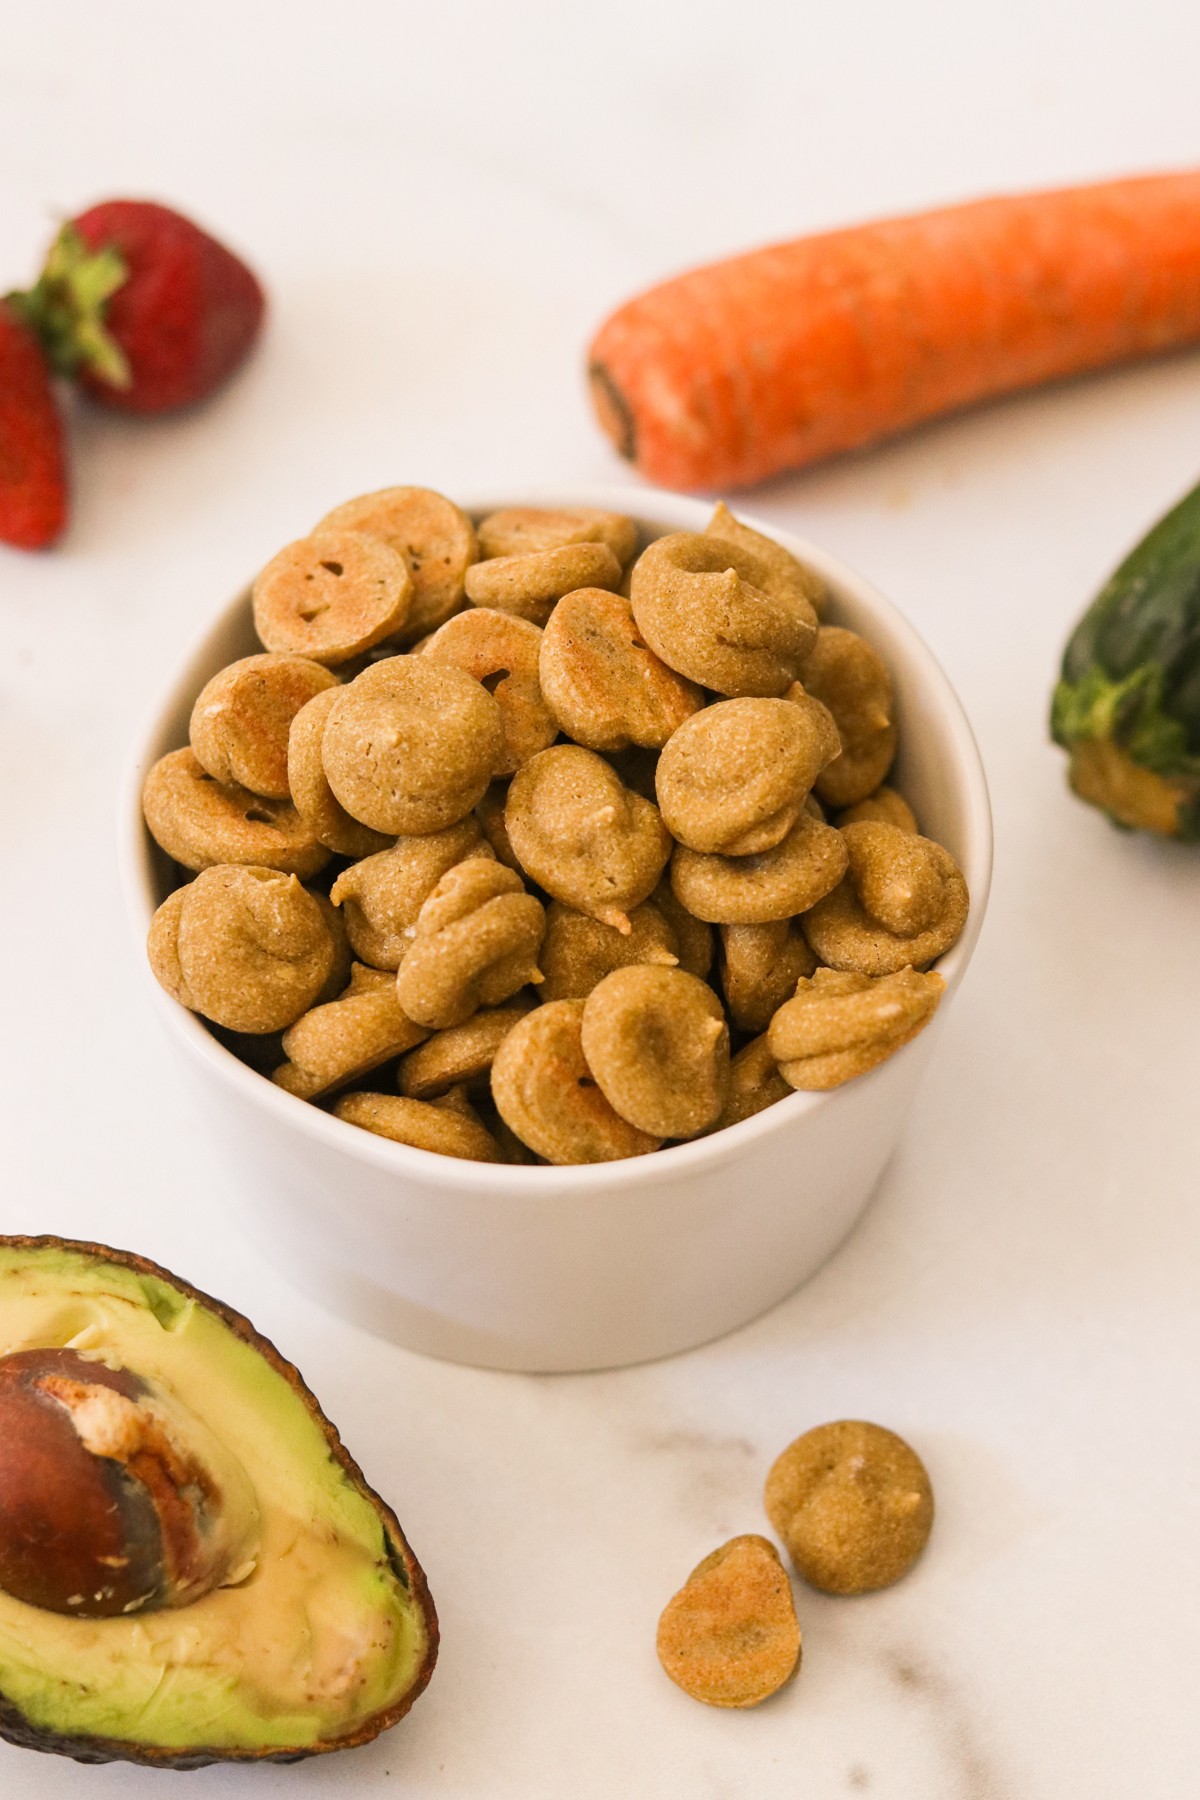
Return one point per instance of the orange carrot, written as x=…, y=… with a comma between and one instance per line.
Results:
x=733, y=372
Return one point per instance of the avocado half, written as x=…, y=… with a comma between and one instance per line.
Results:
x=316, y=1634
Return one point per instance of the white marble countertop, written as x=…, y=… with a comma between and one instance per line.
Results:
x=444, y=200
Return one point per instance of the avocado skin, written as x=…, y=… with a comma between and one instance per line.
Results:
x=16, y=1729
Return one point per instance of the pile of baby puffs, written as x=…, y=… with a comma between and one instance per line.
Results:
x=477, y=809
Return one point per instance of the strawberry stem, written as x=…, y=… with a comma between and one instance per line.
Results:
x=65, y=308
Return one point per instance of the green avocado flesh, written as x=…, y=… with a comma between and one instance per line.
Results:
x=324, y=1633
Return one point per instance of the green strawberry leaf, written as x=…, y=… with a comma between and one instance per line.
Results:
x=66, y=307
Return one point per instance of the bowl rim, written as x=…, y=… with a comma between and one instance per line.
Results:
x=681, y=513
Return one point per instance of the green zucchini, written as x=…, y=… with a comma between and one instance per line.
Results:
x=1127, y=704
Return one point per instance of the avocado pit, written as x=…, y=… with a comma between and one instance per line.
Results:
x=114, y=1498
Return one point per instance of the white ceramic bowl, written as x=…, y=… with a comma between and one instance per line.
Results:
x=576, y=1268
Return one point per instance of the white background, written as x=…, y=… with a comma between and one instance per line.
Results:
x=444, y=200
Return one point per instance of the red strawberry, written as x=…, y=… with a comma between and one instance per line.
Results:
x=146, y=310
x=33, y=471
